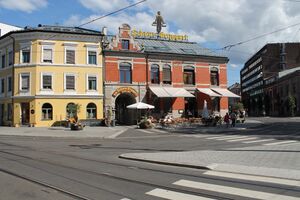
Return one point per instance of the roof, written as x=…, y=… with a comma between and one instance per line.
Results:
x=175, y=47
x=287, y=72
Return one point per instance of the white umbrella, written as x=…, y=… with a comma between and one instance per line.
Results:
x=205, y=113
x=140, y=106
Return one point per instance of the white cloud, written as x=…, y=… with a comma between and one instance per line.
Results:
x=24, y=5
x=219, y=22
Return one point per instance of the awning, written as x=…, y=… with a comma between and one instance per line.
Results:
x=209, y=92
x=170, y=92
x=225, y=93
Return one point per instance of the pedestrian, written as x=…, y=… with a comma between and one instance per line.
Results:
x=226, y=119
x=233, y=119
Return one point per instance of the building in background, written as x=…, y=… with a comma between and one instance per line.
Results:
x=47, y=68
x=164, y=70
x=261, y=70
x=5, y=28
x=236, y=89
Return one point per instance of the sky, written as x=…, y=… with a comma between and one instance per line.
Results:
x=213, y=24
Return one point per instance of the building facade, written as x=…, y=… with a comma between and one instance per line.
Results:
x=5, y=28
x=236, y=89
x=174, y=75
x=259, y=71
x=46, y=69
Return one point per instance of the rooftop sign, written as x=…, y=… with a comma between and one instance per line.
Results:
x=161, y=35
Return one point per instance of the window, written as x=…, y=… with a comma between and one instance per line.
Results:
x=125, y=73
x=92, y=83
x=9, y=84
x=155, y=74
x=10, y=58
x=71, y=110
x=92, y=57
x=3, y=61
x=167, y=74
x=25, y=55
x=125, y=44
x=70, y=82
x=214, y=76
x=9, y=111
x=47, y=81
x=47, y=111
x=2, y=85
x=25, y=82
x=91, y=111
x=47, y=55
x=70, y=56
x=189, y=75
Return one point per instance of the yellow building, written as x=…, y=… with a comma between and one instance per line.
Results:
x=46, y=69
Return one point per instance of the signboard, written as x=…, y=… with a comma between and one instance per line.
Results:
x=125, y=90
x=161, y=35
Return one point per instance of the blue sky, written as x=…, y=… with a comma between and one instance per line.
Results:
x=213, y=24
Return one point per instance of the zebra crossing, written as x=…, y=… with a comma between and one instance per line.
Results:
x=205, y=188
x=243, y=139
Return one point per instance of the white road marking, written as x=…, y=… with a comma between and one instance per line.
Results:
x=254, y=178
x=168, y=194
x=233, y=137
x=145, y=131
x=233, y=191
x=216, y=137
x=256, y=141
x=242, y=139
x=283, y=142
x=117, y=134
x=125, y=199
x=159, y=131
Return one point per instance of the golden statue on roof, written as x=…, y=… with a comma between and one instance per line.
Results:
x=159, y=22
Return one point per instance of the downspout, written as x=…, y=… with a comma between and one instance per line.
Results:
x=147, y=75
x=103, y=35
x=13, y=80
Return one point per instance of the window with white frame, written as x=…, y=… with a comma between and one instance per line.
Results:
x=25, y=55
x=70, y=56
x=47, y=54
x=10, y=58
x=91, y=111
x=69, y=82
x=2, y=85
x=92, y=57
x=24, y=82
x=3, y=61
x=47, y=111
x=46, y=81
x=92, y=82
x=9, y=84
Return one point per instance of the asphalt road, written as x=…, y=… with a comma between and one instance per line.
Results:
x=54, y=168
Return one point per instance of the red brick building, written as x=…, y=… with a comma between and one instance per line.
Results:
x=175, y=76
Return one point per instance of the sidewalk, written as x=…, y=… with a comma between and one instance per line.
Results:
x=87, y=132
x=282, y=161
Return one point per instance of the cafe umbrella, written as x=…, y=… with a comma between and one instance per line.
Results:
x=140, y=106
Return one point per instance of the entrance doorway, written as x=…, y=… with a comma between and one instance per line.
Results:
x=190, y=107
x=25, y=113
x=123, y=114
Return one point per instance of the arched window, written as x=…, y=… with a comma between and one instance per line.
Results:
x=47, y=111
x=214, y=76
x=167, y=74
x=125, y=72
x=91, y=111
x=71, y=110
x=189, y=75
x=155, y=73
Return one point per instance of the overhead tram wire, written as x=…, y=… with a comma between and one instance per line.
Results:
x=228, y=47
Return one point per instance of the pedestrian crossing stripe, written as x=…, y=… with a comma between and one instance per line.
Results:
x=279, y=143
x=254, y=178
x=257, y=141
x=172, y=195
x=242, y=139
x=233, y=137
x=220, y=137
x=233, y=190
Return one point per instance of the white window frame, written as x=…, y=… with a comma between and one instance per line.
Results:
x=9, y=92
x=25, y=46
x=52, y=82
x=72, y=48
x=2, y=86
x=87, y=83
x=87, y=55
x=20, y=83
x=47, y=46
x=65, y=82
x=12, y=62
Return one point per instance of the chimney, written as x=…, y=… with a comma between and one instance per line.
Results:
x=104, y=31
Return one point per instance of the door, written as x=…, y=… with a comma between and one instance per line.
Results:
x=25, y=113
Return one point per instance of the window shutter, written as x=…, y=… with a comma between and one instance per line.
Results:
x=47, y=54
x=70, y=82
x=166, y=74
x=70, y=57
x=25, y=82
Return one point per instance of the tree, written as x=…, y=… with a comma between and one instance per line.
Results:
x=291, y=105
x=238, y=106
x=73, y=109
